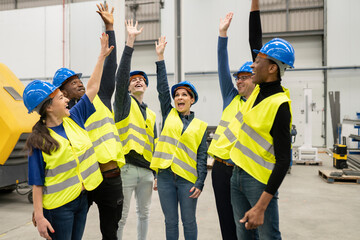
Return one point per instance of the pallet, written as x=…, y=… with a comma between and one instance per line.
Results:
x=325, y=175
x=307, y=162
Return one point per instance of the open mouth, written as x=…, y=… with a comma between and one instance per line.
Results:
x=181, y=104
x=81, y=89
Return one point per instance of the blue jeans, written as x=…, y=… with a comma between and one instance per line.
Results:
x=174, y=190
x=140, y=180
x=245, y=192
x=68, y=220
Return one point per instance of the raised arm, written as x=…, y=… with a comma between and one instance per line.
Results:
x=122, y=97
x=94, y=81
x=161, y=76
x=107, y=85
x=228, y=91
x=255, y=31
x=133, y=31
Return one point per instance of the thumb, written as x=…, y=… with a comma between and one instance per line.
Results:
x=192, y=189
x=51, y=228
x=244, y=219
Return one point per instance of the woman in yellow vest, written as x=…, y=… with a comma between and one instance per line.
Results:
x=62, y=161
x=180, y=154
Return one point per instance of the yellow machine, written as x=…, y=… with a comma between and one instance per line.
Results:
x=15, y=127
x=340, y=156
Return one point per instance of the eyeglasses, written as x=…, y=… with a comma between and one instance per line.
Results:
x=242, y=78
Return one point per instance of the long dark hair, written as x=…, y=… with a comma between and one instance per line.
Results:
x=40, y=137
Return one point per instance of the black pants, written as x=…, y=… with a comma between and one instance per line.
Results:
x=109, y=198
x=221, y=175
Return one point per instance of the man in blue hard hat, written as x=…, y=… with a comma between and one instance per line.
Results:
x=137, y=130
x=233, y=99
x=261, y=151
x=102, y=131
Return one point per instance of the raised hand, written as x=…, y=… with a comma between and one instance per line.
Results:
x=224, y=24
x=105, y=49
x=106, y=16
x=160, y=47
x=133, y=31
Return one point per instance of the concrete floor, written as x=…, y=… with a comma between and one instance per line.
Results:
x=310, y=208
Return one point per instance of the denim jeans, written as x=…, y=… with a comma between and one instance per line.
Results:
x=109, y=199
x=68, y=220
x=174, y=190
x=245, y=192
x=140, y=180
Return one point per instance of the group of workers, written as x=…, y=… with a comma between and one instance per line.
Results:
x=80, y=142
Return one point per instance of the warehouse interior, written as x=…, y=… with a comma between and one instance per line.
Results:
x=317, y=199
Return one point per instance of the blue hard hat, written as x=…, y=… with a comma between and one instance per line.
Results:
x=37, y=92
x=62, y=75
x=279, y=49
x=140, y=73
x=185, y=84
x=245, y=68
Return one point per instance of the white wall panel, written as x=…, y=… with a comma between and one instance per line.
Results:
x=33, y=46
x=201, y=28
x=53, y=40
x=22, y=41
x=343, y=32
x=85, y=31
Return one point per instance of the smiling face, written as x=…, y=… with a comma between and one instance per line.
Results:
x=58, y=106
x=183, y=101
x=137, y=85
x=264, y=70
x=244, y=84
x=73, y=88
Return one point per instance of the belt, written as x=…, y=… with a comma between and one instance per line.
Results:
x=224, y=162
x=111, y=173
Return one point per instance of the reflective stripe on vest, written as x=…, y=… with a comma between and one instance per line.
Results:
x=179, y=150
x=104, y=135
x=227, y=140
x=227, y=116
x=136, y=133
x=253, y=150
x=74, y=164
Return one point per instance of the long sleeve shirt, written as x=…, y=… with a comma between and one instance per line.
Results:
x=123, y=102
x=228, y=90
x=107, y=85
x=165, y=102
x=280, y=132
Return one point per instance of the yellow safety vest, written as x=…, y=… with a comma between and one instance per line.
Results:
x=227, y=116
x=72, y=165
x=136, y=133
x=254, y=150
x=179, y=150
x=104, y=134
